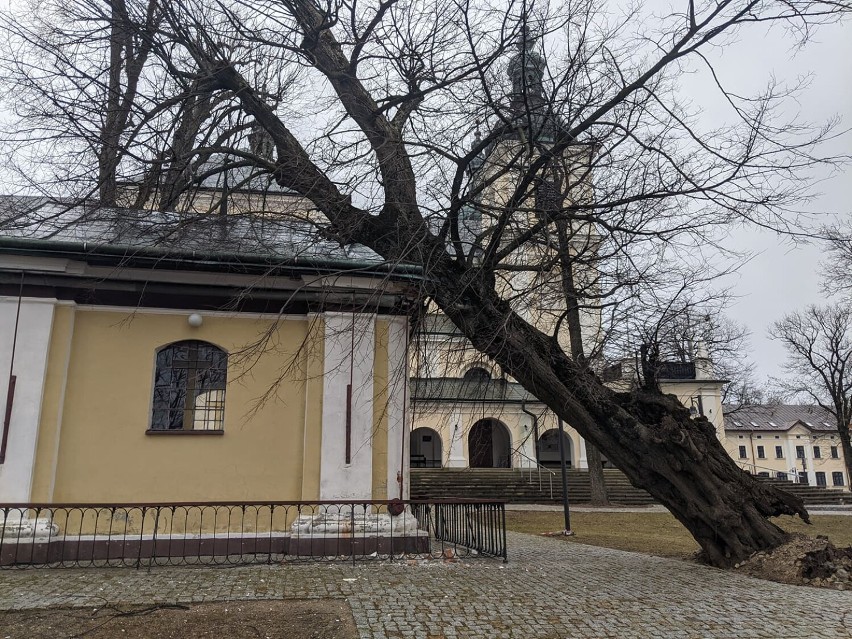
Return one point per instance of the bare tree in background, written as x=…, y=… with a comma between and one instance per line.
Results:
x=690, y=331
x=818, y=342
x=370, y=109
x=837, y=265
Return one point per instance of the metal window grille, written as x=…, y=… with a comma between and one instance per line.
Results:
x=189, y=387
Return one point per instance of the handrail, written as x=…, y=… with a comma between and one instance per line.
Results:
x=792, y=475
x=539, y=468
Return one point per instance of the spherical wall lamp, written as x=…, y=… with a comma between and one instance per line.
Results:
x=195, y=320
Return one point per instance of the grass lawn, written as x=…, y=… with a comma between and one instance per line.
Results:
x=655, y=533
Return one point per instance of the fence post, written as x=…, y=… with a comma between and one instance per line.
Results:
x=502, y=508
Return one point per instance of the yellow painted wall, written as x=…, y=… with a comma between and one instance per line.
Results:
x=788, y=440
x=105, y=454
x=49, y=433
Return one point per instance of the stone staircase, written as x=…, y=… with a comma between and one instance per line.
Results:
x=812, y=495
x=518, y=486
x=522, y=487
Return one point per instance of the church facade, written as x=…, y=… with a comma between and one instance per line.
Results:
x=164, y=358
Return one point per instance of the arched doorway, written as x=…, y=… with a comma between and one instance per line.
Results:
x=548, y=448
x=489, y=445
x=425, y=449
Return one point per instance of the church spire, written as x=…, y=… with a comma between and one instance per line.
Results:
x=526, y=67
x=531, y=108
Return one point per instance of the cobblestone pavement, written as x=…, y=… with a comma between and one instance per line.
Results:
x=549, y=589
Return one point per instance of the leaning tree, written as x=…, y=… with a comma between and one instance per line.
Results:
x=578, y=184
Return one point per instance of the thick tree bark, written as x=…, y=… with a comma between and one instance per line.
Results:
x=649, y=436
x=597, y=484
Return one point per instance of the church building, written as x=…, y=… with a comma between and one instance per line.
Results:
x=165, y=357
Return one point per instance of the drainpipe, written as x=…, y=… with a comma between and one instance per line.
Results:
x=10, y=391
x=535, y=426
x=751, y=446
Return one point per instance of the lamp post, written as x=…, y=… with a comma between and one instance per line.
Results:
x=565, y=504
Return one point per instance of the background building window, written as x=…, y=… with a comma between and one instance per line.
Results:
x=782, y=475
x=743, y=454
x=189, y=387
x=817, y=452
x=761, y=454
x=779, y=452
x=800, y=452
x=820, y=479
x=837, y=478
x=477, y=374
x=834, y=453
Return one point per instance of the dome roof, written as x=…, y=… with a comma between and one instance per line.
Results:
x=526, y=68
x=532, y=113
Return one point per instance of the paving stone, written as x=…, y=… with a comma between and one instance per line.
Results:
x=550, y=588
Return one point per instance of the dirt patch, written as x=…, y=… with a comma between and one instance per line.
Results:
x=324, y=619
x=803, y=560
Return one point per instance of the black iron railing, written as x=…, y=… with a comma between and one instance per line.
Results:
x=476, y=526
x=223, y=533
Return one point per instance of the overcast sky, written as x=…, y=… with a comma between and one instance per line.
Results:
x=782, y=277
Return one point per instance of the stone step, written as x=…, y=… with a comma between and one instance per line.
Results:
x=515, y=486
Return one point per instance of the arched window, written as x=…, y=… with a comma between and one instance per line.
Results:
x=477, y=374
x=189, y=387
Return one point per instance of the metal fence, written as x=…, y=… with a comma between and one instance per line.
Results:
x=222, y=533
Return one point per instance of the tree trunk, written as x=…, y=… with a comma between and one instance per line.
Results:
x=649, y=436
x=846, y=446
x=597, y=485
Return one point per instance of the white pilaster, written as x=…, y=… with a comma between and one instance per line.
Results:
x=399, y=416
x=809, y=458
x=527, y=443
x=455, y=430
x=31, y=351
x=582, y=462
x=349, y=352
